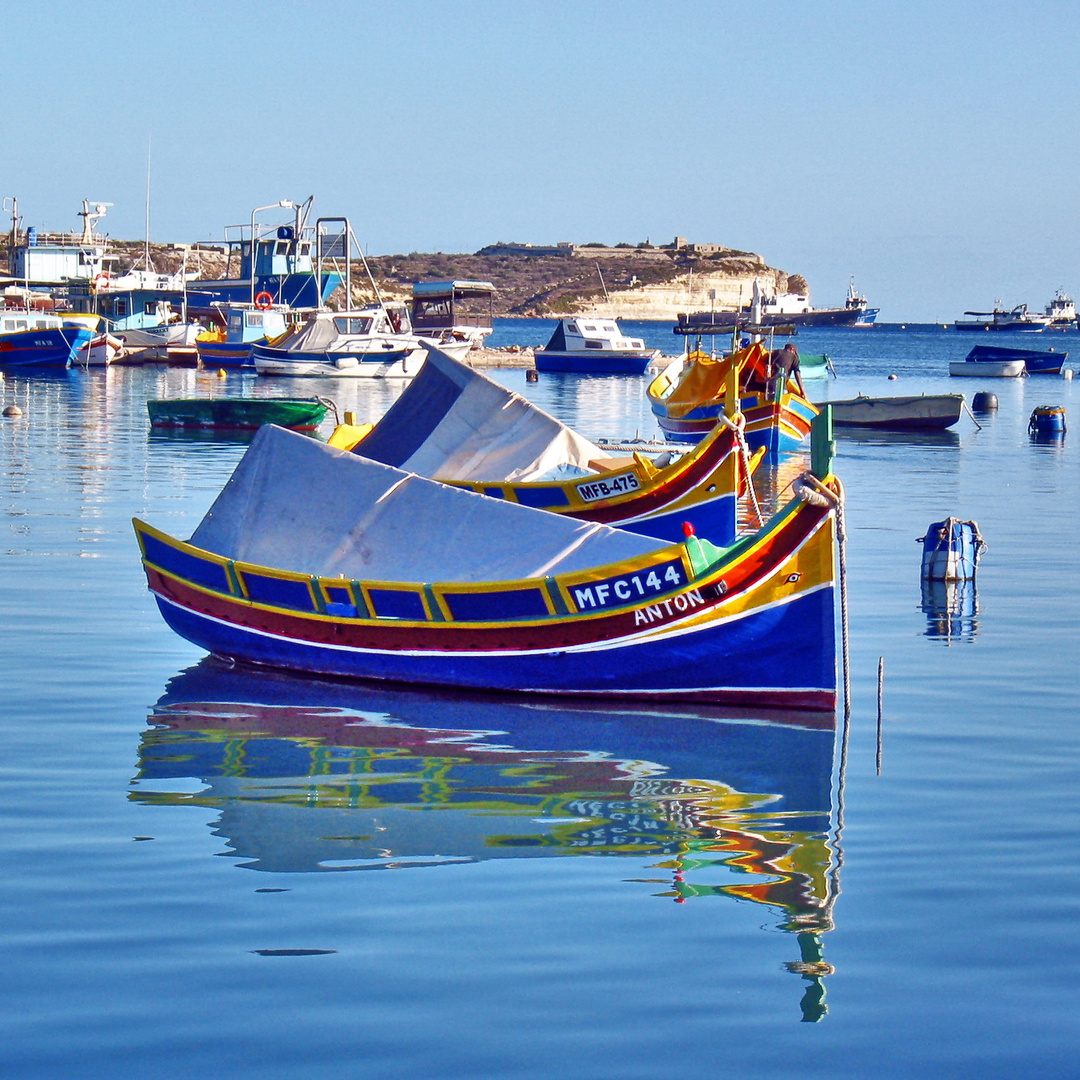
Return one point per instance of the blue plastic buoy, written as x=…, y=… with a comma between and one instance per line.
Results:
x=1047, y=420
x=951, y=550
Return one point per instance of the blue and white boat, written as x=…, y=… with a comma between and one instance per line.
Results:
x=296, y=266
x=1035, y=361
x=32, y=340
x=245, y=324
x=1017, y=319
x=594, y=346
x=373, y=342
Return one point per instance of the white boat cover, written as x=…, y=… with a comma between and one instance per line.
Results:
x=296, y=504
x=457, y=424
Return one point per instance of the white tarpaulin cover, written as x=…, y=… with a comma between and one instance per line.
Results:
x=296, y=504
x=454, y=423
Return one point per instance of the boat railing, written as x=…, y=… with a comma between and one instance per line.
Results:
x=64, y=239
x=459, y=318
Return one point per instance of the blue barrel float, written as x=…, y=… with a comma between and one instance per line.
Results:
x=1047, y=420
x=951, y=550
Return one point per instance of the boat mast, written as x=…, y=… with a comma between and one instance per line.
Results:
x=146, y=241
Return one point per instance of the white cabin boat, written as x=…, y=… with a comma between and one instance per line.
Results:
x=593, y=346
x=1061, y=311
x=453, y=311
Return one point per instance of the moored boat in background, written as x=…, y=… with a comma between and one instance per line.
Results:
x=593, y=346
x=237, y=414
x=788, y=309
x=1061, y=311
x=914, y=413
x=30, y=339
x=451, y=311
x=373, y=342
x=1018, y=319
x=245, y=324
x=1035, y=361
x=996, y=369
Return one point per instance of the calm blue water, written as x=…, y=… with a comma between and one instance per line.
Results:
x=208, y=872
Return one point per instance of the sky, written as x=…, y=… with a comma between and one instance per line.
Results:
x=928, y=150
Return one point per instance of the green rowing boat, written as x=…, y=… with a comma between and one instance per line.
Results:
x=237, y=414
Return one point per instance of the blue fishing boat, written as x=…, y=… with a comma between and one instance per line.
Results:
x=295, y=266
x=320, y=561
x=1035, y=361
x=29, y=340
x=593, y=346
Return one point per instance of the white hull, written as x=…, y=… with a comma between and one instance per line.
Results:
x=1001, y=369
x=361, y=365
x=173, y=336
x=101, y=351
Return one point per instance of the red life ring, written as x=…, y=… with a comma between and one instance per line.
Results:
x=101, y=282
x=263, y=301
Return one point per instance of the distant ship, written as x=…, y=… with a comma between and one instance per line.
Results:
x=1018, y=319
x=790, y=309
x=1061, y=310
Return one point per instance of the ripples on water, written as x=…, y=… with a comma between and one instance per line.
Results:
x=585, y=891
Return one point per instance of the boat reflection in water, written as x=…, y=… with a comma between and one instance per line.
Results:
x=951, y=609
x=319, y=776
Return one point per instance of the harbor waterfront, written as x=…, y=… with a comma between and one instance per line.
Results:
x=186, y=845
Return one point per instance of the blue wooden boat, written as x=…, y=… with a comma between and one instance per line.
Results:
x=589, y=345
x=320, y=561
x=455, y=425
x=1036, y=361
x=30, y=340
x=245, y=325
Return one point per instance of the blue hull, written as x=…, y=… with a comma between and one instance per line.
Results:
x=593, y=362
x=751, y=669
x=53, y=348
x=226, y=354
x=715, y=521
x=1036, y=361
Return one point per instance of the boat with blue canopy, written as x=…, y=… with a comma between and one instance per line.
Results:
x=317, y=560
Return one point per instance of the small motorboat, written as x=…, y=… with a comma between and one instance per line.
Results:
x=237, y=414
x=453, y=310
x=998, y=369
x=374, y=342
x=926, y=411
x=245, y=324
x=320, y=561
x=1035, y=361
x=593, y=346
x=102, y=348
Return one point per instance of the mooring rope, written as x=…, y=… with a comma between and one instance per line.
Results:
x=810, y=489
